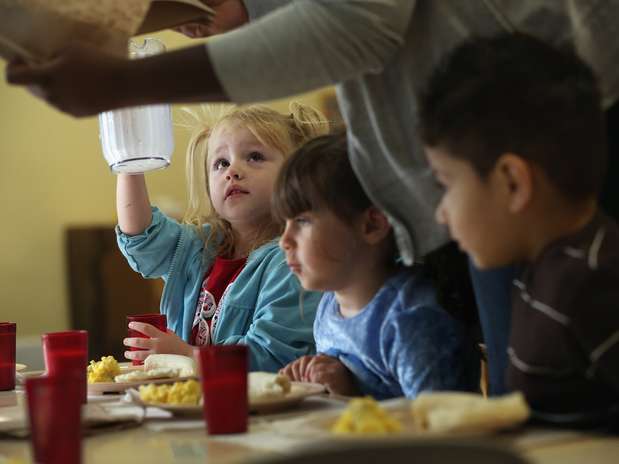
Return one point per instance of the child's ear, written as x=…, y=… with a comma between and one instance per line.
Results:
x=516, y=176
x=375, y=225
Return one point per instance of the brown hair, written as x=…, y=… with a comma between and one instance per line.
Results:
x=319, y=176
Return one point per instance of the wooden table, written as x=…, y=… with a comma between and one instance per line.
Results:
x=142, y=444
x=590, y=450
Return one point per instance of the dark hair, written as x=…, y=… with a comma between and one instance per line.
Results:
x=516, y=94
x=319, y=176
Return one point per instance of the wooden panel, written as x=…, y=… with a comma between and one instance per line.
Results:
x=103, y=289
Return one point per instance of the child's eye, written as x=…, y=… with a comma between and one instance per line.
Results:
x=301, y=220
x=255, y=156
x=220, y=163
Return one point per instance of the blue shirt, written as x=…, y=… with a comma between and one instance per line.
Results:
x=401, y=343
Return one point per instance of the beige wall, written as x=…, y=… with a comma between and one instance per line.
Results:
x=52, y=175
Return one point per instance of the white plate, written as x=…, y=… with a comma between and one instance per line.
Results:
x=20, y=367
x=118, y=387
x=298, y=392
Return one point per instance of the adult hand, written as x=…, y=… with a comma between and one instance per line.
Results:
x=333, y=374
x=159, y=342
x=297, y=369
x=229, y=14
x=81, y=81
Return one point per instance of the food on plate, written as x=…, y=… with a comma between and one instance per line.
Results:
x=104, y=370
x=179, y=393
x=184, y=365
x=261, y=386
x=365, y=416
x=156, y=366
x=266, y=385
x=451, y=411
x=137, y=375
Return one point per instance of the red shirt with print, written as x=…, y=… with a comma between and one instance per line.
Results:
x=217, y=279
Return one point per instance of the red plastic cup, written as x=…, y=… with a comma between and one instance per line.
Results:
x=66, y=356
x=54, y=411
x=158, y=320
x=224, y=387
x=7, y=355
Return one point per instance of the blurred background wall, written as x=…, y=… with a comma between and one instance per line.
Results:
x=52, y=177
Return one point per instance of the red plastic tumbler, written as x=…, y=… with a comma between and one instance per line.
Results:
x=66, y=356
x=224, y=387
x=54, y=411
x=158, y=320
x=7, y=355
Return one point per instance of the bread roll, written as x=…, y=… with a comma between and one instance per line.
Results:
x=185, y=365
x=450, y=411
x=264, y=385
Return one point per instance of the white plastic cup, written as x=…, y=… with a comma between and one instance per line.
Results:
x=138, y=139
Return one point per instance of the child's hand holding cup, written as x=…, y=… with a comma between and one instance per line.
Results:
x=157, y=320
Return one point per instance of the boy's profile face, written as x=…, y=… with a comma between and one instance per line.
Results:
x=475, y=210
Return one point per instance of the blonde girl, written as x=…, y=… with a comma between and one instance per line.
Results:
x=226, y=279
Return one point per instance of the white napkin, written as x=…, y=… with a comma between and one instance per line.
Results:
x=96, y=417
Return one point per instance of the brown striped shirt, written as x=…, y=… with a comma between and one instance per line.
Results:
x=564, y=343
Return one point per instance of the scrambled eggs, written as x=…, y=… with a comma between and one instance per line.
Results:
x=365, y=416
x=104, y=370
x=188, y=392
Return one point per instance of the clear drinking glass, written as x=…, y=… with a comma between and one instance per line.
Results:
x=138, y=139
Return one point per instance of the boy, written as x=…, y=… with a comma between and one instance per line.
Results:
x=514, y=132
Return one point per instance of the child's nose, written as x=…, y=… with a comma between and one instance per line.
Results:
x=284, y=241
x=234, y=172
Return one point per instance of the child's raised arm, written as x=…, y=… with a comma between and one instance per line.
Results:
x=132, y=204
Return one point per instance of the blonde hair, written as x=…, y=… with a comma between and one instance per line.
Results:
x=283, y=132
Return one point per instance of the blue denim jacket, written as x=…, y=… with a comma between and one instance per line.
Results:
x=260, y=309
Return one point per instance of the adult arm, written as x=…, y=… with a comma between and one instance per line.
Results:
x=307, y=44
x=84, y=81
x=300, y=46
